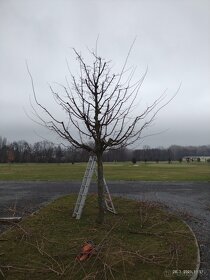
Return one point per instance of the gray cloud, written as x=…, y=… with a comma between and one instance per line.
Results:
x=173, y=40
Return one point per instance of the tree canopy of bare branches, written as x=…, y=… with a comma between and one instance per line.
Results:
x=99, y=107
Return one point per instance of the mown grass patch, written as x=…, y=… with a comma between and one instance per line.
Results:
x=141, y=242
x=42, y=171
x=113, y=171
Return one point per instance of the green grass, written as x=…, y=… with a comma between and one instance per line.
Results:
x=113, y=171
x=141, y=242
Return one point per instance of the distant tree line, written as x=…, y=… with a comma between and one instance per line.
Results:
x=47, y=152
x=173, y=153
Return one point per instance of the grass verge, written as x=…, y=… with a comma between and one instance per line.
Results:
x=113, y=171
x=143, y=241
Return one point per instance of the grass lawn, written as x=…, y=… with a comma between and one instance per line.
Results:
x=142, y=241
x=113, y=171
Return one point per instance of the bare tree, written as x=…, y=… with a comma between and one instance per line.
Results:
x=100, y=107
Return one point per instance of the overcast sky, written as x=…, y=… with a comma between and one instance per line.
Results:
x=173, y=40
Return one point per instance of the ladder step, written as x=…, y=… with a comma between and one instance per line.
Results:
x=111, y=210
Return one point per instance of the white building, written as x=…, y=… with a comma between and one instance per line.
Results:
x=196, y=158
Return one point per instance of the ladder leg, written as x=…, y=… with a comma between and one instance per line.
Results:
x=107, y=197
x=84, y=188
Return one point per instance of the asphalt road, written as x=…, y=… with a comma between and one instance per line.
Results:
x=191, y=200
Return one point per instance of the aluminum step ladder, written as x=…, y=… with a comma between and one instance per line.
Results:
x=91, y=168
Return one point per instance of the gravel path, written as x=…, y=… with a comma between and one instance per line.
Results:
x=190, y=200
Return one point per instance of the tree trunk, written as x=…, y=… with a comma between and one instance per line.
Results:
x=100, y=183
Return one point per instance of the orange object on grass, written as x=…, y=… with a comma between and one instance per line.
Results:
x=86, y=251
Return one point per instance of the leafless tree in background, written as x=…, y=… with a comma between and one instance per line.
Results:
x=99, y=107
